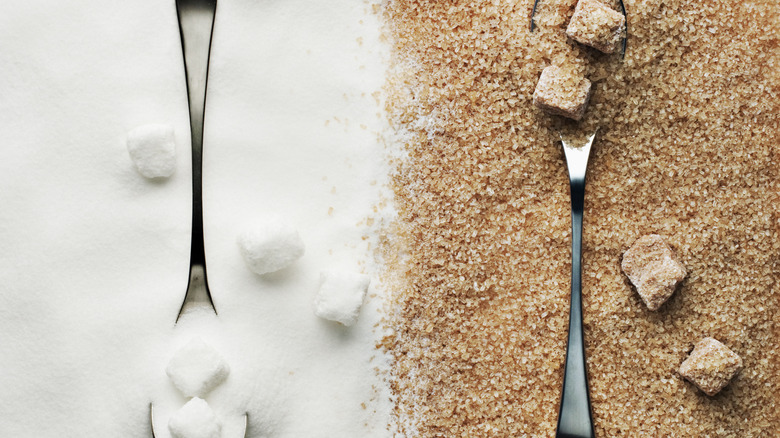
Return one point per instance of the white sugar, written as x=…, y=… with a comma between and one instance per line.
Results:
x=153, y=150
x=95, y=258
x=271, y=245
x=340, y=296
x=195, y=420
x=197, y=368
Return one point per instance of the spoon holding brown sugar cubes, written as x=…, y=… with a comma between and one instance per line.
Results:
x=561, y=89
x=596, y=25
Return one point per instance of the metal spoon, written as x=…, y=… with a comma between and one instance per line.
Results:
x=196, y=22
x=574, y=417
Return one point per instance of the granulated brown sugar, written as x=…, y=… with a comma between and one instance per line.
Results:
x=687, y=148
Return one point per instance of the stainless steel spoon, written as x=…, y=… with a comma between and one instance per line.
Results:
x=196, y=22
x=574, y=417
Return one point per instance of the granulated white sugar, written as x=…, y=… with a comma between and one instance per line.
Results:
x=95, y=258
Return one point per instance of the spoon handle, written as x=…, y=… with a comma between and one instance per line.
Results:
x=574, y=418
x=196, y=22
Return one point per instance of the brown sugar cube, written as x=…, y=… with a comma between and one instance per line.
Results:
x=653, y=269
x=597, y=25
x=710, y=366
x=561, y=92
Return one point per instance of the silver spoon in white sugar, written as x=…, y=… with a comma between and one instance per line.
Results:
x=196, y=22
x=574, y=418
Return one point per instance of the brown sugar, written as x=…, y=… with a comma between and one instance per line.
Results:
x=710, y=366
x=562, y=93
x=653, y=269
x=479, y=259
x=596, y=25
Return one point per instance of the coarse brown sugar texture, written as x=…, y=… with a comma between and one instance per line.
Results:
x=687, y=148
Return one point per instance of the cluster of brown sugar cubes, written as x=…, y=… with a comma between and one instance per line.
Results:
x=565, y=93
x=654, y=269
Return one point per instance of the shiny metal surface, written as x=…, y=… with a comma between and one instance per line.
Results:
x=196, y=23
x=574, y=418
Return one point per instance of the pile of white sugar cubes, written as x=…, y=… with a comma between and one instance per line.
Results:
x=195, y=370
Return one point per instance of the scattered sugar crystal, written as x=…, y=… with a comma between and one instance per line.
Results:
x=562, y=92
x=195, y=420
x=197, y=368
x=340, y=296
x=273, y=245
x=653, y=269
x=153, y=150
x=597, y=25
x=710, y=366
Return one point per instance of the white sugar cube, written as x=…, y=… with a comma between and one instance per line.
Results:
x=197, y=368
x=273, y=245
x=153, y=150
x=195, y=420
x=340, y=296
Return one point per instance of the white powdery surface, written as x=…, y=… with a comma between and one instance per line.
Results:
x=340, y=296
x=95, y=259
x=153, y=150
x=195, y=420
x=292, y=106
x=271, y=245
x=197, y=368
